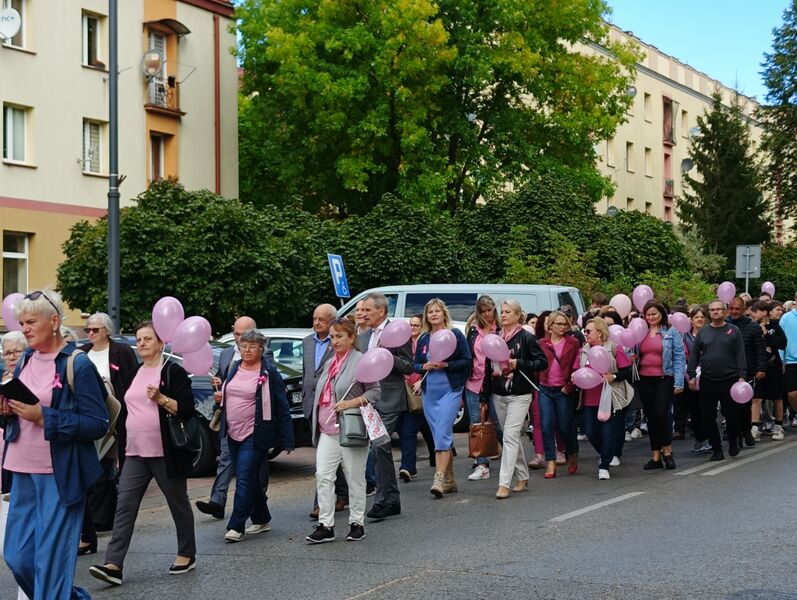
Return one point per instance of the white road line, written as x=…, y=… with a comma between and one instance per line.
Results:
x=744, y=461
x=595, y=506
x=708, y=465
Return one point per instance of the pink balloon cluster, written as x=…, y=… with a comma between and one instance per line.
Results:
x=188, y=337
x=9, y=302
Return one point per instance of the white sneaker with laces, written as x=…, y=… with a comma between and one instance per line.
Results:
x=258, y=528
x=636, y=433
x=233, y=536
x=615, y=462
x=604, y=474
x=777, y=433
x=479, y=473
x=756, y=433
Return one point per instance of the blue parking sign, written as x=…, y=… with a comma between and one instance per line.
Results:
x=338, y=276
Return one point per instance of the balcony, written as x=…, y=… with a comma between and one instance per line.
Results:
x=163, y=96
x=669, y=188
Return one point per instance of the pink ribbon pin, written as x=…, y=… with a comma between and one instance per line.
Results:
x=57, y=382
x=113, y=366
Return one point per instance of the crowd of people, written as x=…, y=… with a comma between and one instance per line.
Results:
x=668, y=386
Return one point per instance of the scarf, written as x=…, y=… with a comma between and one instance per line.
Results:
x=334, y=368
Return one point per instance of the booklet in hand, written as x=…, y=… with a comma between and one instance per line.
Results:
x=14, y=389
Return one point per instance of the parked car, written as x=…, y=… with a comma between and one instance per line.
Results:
x=284, y=342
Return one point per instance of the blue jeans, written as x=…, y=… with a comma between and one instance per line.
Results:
x=603, y=434
x=250, y=497
x=42, y=537
x=408, y=427
x=557, y=411
x=474, y=415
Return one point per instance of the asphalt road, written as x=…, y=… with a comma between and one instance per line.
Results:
x=705, y=531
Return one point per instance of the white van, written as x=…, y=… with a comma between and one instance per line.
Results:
x=460, y=298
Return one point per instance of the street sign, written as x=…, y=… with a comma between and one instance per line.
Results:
x=10, y=22
x=748, y=263
x=338, y=276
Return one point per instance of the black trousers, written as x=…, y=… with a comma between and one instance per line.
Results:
x=711, y=393
x=657, y=398
x=692, y=400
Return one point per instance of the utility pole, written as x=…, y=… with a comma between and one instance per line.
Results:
x=113, y=164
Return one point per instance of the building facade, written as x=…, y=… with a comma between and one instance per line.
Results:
x=178, y=117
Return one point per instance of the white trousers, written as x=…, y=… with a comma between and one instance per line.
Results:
x=328, y=455
x=511, y=412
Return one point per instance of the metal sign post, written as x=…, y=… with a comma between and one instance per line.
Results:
x=748, y=264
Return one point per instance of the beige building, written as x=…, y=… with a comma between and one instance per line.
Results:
x=648, y=155
x=179, y=119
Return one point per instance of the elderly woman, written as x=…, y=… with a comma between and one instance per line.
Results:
x=511, y=387
x=255, y=417
x=50, y=451
x=338, y=391
x=14, y=346
x=603, y=435
x=441, y=389
x=159, y=391
x=117, y=365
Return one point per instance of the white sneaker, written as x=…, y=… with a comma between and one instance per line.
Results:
x=479, y=473
x=604, y=474
x=777, y=433
x=583, y=436
x=233, y=536
x=756, y=433
x=258, y=527
x=636, y=433
x=628, y=437
x=707, y=447
x=794, y=422
x=615, y=462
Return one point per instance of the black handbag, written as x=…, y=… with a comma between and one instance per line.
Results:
x=184, y=434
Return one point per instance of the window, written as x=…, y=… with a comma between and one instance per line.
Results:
x=648, y=208
x=91, y=41
x=18, y=41
x=15, y=263
x=92, y=136
x=629, y=204
x=155, y=157
x=460, y=305
x=287, y=351
x=629, y=157
x=157, y=83
x=648, y=108
x=685, y=123
x=14, y=118
x=648, y=162
x=610, y=157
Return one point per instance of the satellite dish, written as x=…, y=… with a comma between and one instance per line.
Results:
x=152, y=63
x=10, y=22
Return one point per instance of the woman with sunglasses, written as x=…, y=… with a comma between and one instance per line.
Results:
x=50, y=451
x=116, y=363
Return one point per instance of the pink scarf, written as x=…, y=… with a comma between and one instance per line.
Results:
x=334, y=368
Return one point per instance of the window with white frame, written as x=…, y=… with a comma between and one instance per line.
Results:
x=92, y=146
x=18, y=41
x=14, y=126
x=157, y=83
x=92, y=27
x=15, y=262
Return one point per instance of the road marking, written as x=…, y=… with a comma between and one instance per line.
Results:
x=595, y=506
x=744, y=461
x=708, y=465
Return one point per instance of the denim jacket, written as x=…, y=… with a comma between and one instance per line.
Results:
x=673, y=356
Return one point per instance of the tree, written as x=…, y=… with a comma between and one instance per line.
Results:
x=446, y=102
x=779, y=115
x=725, y=204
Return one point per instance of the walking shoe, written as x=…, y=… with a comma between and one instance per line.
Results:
x=767, y=429
x=406, y=476
x=233, y=536
x=669, y=461
x=106, y=574
x=777, y=433
x=583, y=436
x=320, y=535
x=449, y=483
x=314, y=514
x=636, y=433
x=697, y=447
x=615, y=462
x=653, y=464
x=604, y=474
x=678, y=435
x=643, y=427
x=537, y=462
x=437, y=485
x=379, y=512
x=560, y=458
x=628, y=437
x=211, y=508
x=180, y=569
x=707, y=446
x=748, y=439
x=733, y=450
x=480, y=472
x=370, y=489
x=794, y=422
x=341, y=504
x=717, y=455
x=356, y=533
x=258, y=528
x=755, y=433
x=502, y=493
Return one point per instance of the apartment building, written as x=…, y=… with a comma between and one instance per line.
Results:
x=177, y=107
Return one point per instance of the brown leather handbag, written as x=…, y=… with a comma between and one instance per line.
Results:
x=483, y=439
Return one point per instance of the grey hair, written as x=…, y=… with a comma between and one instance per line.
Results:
x=253, y=336
x=68, y=334
x=48, y=304
x=106, y=320
x=379, y=300
x=14, y=337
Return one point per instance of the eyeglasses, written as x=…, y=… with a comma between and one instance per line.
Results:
x=94, y=330
x=561, y=324
x=589, y=331
x=248, y=347
x=715, y=309
x=37, y=294
x=12, y=353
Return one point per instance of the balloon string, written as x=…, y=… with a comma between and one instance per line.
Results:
x=529, y=380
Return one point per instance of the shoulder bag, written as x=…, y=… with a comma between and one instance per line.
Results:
x=184, y=434
x=483, y=438
x=414, y=401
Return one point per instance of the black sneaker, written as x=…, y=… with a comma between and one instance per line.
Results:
x=356, y=533
x=321, y=534
x=210, y=508
x=733, y=450
x=717, y=455
x=380, y=512
x=103, y=573
x=653, y=464
x=669, y=461
x=370, y=488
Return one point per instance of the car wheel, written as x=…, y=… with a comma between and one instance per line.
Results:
x=205, y=458
x=461, y=423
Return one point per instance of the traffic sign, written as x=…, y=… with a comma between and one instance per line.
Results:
x=748, y=263
x=338, y=276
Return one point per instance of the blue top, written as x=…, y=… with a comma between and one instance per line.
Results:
x=71, y=424
x=320, y=347
x=459, y=362
x=788, y=323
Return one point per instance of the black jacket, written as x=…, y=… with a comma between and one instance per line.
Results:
x=755, y=350
x=530, y=360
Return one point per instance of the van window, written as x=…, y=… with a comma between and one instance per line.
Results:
x=527, y=301
x=392, y=300
x=460, y=305
x=566, y=298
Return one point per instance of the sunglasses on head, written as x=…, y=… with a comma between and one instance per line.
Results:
x=92, y=329
x=37, y=294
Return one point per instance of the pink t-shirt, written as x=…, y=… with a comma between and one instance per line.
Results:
x=143, y=423
x=239, y=400
x=651, y=360
x=556, y=378
x=476, y=379
x=30, y=452
x=593, y=397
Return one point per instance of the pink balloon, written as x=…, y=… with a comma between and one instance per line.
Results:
x=640, y=328
x=741, y=392
x=599, y=359
x=395, y=334
x=628, y=338
x=495, y=348
x=680, y=321
x=199, y=362
x=615, y=331
x=622, y=304
x=375, y=365
x=726, y=291
x=191, y=335
x=587, y=378
x=642, y=295
x=8, y=311
x=768, y=288
x=167, y=314
x=441, y=345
